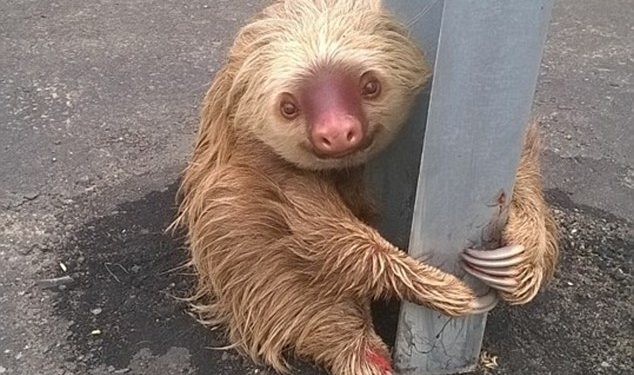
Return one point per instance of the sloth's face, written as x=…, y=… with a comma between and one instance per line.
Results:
x=336, y=84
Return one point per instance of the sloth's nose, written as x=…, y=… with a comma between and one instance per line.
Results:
x=337, y=136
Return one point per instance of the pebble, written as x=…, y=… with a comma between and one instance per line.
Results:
x=70, y=366
x=84, y=181
x=2, y=370
x=30, y=195
x=96, y=311
x=48, y=348
x=55, y=282
x=26, y=250
x=604, y=364
x=619, y=275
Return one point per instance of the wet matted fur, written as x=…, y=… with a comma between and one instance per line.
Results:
x=280, y=240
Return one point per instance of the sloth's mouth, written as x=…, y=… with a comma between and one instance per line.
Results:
x=366, y=145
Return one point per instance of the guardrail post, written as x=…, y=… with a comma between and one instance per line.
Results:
x=440, y=195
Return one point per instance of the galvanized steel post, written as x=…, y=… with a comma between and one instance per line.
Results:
x=440, y=195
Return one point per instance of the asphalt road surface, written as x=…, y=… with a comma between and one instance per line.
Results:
x=98, y=106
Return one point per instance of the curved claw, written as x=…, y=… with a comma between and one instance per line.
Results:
x=505, y=284
x=497, y=263
x=485, y=303
x=497, y=254
x=504, y=271
x=496, y=268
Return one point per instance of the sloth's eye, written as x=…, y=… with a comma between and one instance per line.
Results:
x=371, y=87
x=288, y=108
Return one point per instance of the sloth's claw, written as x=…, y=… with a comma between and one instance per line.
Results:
x=484, y=303
x=501, y=253
x=496, y=268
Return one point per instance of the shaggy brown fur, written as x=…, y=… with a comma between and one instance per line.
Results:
x=531, y=224
x=279, y=238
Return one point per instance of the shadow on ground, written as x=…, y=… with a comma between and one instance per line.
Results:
x=126, y=281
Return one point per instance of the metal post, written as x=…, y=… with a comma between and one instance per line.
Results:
x=486, y=64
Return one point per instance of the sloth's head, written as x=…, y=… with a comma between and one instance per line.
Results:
x=328, y=83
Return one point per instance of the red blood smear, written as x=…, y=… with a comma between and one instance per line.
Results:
x=380, y=361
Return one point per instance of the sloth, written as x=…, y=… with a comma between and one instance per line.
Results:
x=273, y=202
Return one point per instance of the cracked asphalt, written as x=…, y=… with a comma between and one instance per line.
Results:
x=98, y=107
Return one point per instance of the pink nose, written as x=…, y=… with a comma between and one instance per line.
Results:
x=337, y=136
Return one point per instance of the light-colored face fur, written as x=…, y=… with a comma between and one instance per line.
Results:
x=294, y=39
